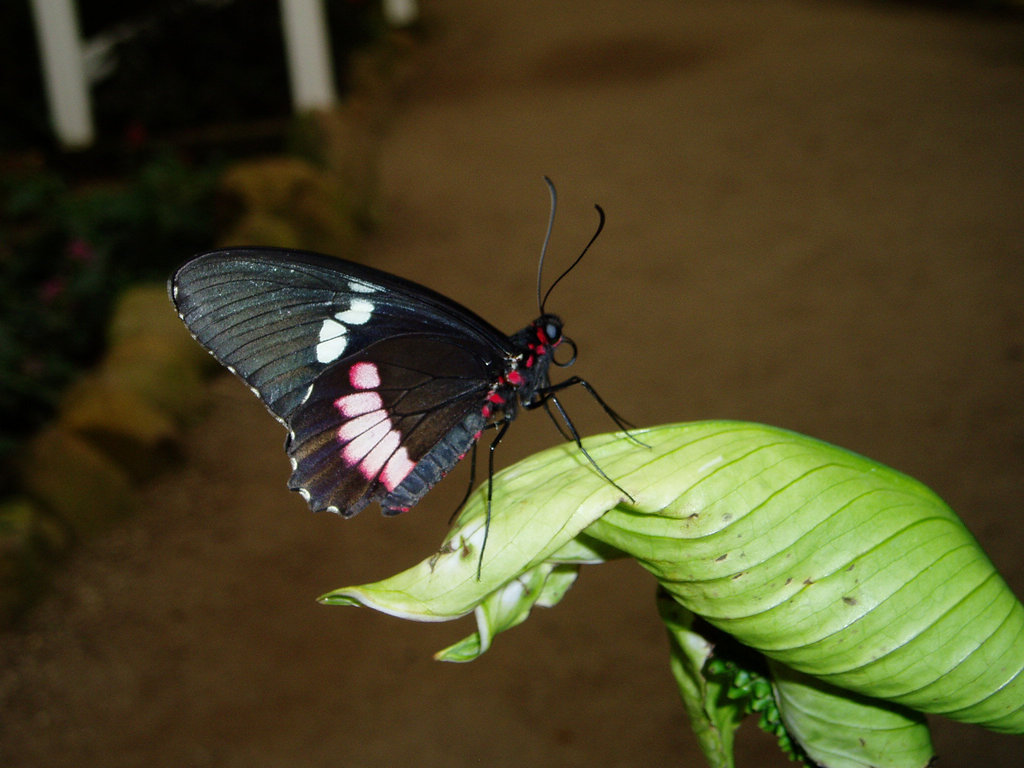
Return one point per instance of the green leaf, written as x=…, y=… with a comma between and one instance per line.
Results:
x=823, y=560
x=540, y=507
x=714, y=717
x=510, y=605
x=842, y=730
x=833, y=564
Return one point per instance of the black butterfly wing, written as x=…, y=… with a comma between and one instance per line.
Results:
x=279, y=318
x=387, y=423
x=320, y=340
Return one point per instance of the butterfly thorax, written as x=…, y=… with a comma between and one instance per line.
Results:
x=527, y=370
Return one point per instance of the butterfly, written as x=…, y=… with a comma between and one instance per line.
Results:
x=383, y=384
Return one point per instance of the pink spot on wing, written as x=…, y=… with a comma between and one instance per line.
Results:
x=397, y=469
x=494, y=397
x=352, y=429
x=375, y=460
x=515, y=378
x=358, y=403
x=364, y=376
x=359, y=447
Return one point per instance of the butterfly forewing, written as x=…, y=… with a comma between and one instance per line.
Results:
x=279, y=318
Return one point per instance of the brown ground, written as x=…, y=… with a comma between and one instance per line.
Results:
x=815, y=220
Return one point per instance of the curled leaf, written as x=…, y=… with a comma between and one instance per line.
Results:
x=842, y=730
x=830, y=564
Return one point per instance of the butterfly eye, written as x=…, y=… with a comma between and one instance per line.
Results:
x=553, y=330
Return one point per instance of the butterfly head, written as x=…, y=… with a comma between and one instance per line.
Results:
x=543, y=336
x=549, y=330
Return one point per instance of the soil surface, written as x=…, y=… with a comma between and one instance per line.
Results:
x=815, y=220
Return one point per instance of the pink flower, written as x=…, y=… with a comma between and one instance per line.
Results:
x=135, y=135
x=80, y=250
x=50, y=290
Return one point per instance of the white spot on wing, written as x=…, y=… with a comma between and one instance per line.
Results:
x=358, y=312
x=333, y=340
x=360, y=287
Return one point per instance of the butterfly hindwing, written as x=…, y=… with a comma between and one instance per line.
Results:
x=386, y=423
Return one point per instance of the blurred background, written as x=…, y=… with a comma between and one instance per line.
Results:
x=815, y=220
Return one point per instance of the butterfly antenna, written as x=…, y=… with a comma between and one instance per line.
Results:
x=547, y=239
x=600, y=226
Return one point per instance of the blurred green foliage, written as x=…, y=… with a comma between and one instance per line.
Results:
x=76, y=228
x=65, y=253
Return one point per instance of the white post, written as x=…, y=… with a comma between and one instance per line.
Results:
x=67, y=92
x=308, y=51
x=401, y=13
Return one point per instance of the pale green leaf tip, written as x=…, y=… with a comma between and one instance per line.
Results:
x=467, y=649
x=339, y=597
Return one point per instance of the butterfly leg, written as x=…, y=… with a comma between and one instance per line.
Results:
x=543, y=395
x=558, y=425
x=469, y=488
x=550, y=396
x=502, y=429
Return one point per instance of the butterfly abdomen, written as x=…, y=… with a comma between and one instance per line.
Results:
x=438, y=462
